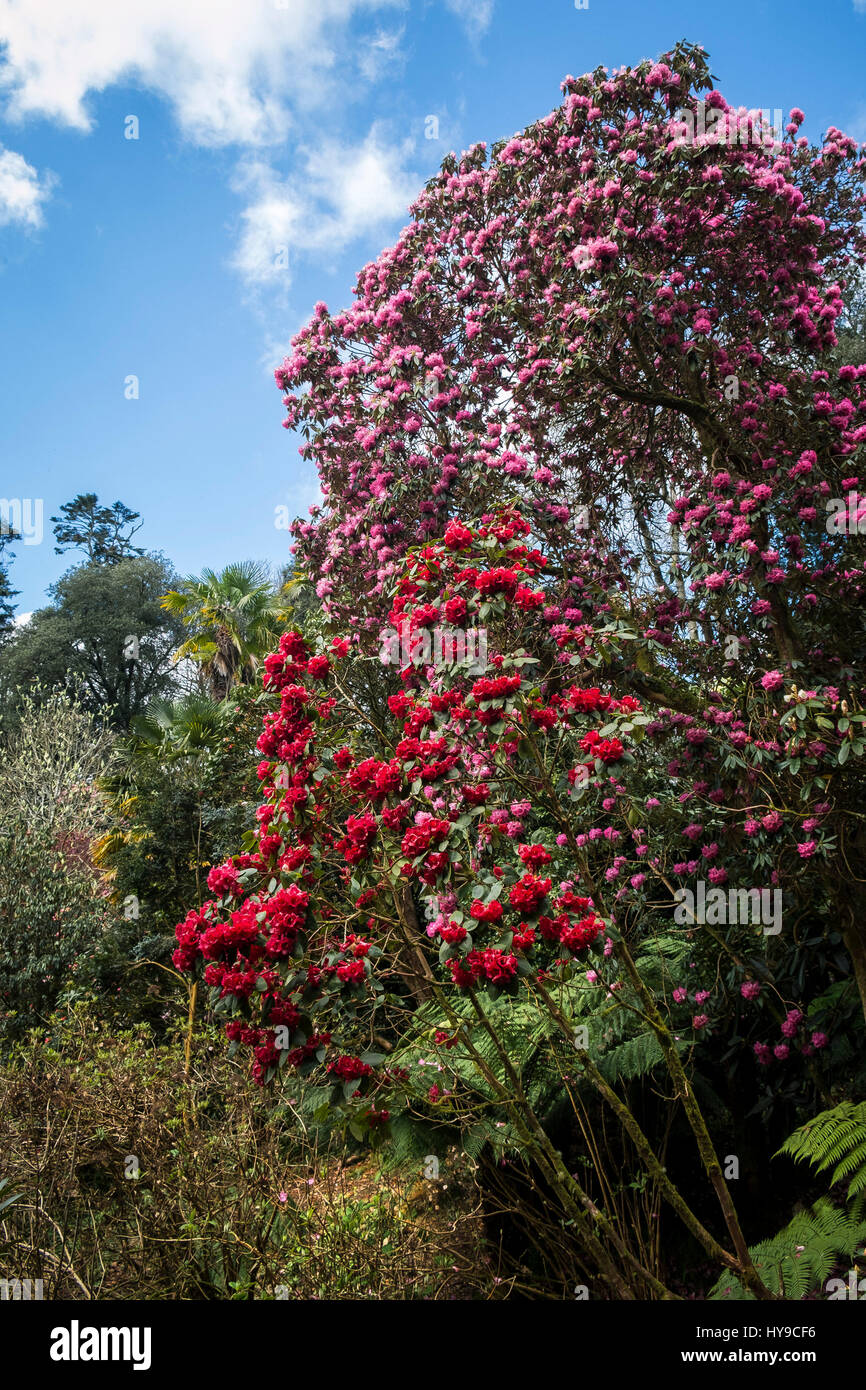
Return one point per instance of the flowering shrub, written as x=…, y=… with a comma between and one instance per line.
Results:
x=539, y=885
x=339, y=835
x=635, y=336
x=641, y=822
x=593, y=314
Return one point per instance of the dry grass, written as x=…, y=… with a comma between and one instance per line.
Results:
x=229, y=1201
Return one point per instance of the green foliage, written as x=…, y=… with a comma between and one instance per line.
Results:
x=179, y=793
x=52, y=909
x=621, y=1045
x=105, y=637
x=635, y=1057
x=7, y=593
x=7, y=608
x=174, y=728
x=103, y=533
x=851, y=330
x=835, y=1139
x=50, y=765
x=798, y=1260
x=234, y=619
x=7, y=1201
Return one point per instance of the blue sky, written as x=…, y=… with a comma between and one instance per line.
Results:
x=279, y=142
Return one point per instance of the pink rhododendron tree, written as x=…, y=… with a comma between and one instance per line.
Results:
x=632, y=332
x=588, y=404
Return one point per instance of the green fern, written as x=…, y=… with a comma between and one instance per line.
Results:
x=634, y=1057
x=798, y=1260
x=834, y=1139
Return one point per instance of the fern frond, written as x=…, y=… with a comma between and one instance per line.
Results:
x=834, y=1139
x=797, y=1261
x=629, y=1059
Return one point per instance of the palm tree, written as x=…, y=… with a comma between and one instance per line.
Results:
x=171, y=729
x=235, y=618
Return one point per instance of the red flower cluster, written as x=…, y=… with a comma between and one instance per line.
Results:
x=609, y=750
x=419, y=838
x=348, y=1068
x=534, y=855
x=496, y=687
x=360, y=834
x=529, y=893
x=457, y=537
x=223, y=880
x=375, y=779
x=498, y=581
x=257, y=951
x=581, y=934
x=499, y=967
x=486, y=912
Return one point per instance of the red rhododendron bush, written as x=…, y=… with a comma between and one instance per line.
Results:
x=611, y=868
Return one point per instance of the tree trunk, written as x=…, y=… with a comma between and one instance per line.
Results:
x=854, y=938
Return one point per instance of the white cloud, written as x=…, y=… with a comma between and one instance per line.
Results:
x=22, y=191
x=380, y=53
x=268, y=224
x=860, y=6
x=229, y=70
x=255, y=74
x=342, y=192
x=366, y=185
x=475, y=15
